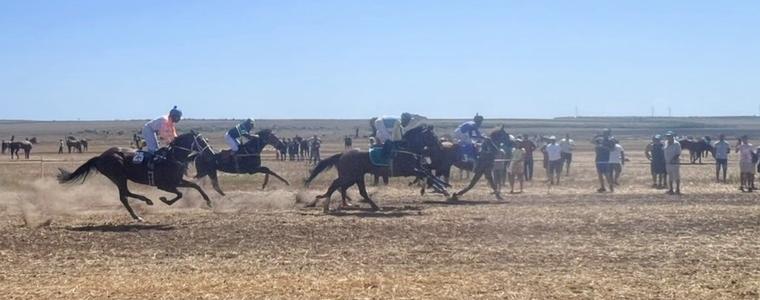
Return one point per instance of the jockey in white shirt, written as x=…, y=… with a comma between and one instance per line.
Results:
x=392, y=128
x=163, y=128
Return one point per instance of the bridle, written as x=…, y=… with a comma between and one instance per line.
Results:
x=196, y=145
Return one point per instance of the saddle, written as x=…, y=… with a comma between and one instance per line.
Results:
x=150, y=161
x=378, y=156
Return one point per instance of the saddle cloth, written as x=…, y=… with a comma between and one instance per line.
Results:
x=378, y=158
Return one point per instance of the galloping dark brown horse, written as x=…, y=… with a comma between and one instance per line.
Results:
x=117, y=164
x=15, y=147
x=249, y=160
x=352, y=166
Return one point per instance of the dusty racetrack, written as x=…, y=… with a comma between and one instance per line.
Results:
x=565, y=242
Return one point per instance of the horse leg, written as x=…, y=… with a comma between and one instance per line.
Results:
x=475, y=178
x=333, y=186
x=494, y=185
x=187, y=184
x=171, y=190
x=267, y=171
x=215, y=183
x=363, y=192
x=266, y=181
x=345, y=198
x=121, y=184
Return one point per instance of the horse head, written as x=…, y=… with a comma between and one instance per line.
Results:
x=421, y=137
x=185, y=146
x=500, y=136
x=269, y=138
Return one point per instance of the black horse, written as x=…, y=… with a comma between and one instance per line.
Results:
x=118, y=165
x=248, y=160
x=15, y=147
x=697, y=148
x=484, y=163
x=353, y=165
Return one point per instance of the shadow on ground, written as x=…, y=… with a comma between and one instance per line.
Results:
x=121, y=228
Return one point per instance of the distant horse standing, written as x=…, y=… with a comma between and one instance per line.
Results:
x=15, y=147
x=697, y=148
x=73, y=143
x=117, y=164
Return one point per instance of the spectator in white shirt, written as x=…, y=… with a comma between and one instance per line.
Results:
x=617, y=160
x=554, y=154
x=721, y=149
x=567, y=145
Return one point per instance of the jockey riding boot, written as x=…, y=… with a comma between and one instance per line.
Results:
x=235, y=159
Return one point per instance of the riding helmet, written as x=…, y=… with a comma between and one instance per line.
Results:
x=175, y=114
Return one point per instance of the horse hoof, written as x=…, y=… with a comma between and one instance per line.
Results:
x=139, y=220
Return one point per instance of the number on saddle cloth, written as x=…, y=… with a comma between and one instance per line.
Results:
x=467, y=151
x=142, y=157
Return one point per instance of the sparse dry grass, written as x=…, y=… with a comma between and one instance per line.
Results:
x=563, y=242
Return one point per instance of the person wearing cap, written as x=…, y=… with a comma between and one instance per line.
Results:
x=162, y=128
x=673, y=163
x=602, y=160
x=467, y=134
x=655, y=153
x=746, y=164
x=517, y=165
x=554, y=155
x=721, y=149
x=234, y=135
x=568, y=145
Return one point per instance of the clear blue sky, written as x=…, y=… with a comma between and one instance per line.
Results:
x=355, y=59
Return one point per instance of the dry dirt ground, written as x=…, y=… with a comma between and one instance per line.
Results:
x=567, y=241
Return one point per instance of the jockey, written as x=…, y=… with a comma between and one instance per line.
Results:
x=467, y=134
x=161, y=128
x=235, y=134
x=392, y=128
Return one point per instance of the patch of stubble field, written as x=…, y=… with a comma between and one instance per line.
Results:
x=560, y=242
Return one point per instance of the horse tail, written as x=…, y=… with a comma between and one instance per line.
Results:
x=80, y=174
x=322, y=166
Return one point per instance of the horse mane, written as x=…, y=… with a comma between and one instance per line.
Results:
x=181, y=136
x=415, y=130
x=266, y=131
